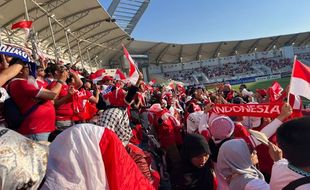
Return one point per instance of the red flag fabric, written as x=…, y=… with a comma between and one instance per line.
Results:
x=97, y=74
x=300, y=80
x=22, y=24
x=122, y=172
x=275, y=92
x=152, y=82
x=119, y=75
x=133, y=69
x=255, y=110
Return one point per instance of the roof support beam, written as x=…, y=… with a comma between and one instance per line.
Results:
x=217, y=50
x=291, y=40
x=96, y=36
x=274, y=41
x=198, y=55
x=148, y=51
x=303, y=42
x=70, y=19
x=253, y=46
x=161, y=54
x=233, y=51
x=84, y=29
x=49, y=6
x=180, y=54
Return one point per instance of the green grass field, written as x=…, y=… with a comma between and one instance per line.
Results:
x=266, y=84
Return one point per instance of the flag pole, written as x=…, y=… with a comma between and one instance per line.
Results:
x=289, y=89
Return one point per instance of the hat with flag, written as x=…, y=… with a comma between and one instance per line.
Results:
x=19, y=53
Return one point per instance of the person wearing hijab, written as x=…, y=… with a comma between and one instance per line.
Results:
x=196, y=171
x=236, y=163
x=87, y=156
x=117, y=120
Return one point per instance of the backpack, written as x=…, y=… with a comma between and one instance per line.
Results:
x=12, y=114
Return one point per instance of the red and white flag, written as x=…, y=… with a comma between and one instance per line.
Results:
x=26, y=24
x=133, y=69
x=152, y=82
x=119, y=75
x=300, y=80
x=275, y=91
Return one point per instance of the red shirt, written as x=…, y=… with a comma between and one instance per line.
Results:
x=116, y=97
x=65, y=111
x=40, y=120
x=42, y=83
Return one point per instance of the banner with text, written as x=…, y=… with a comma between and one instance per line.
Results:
x=255, y=110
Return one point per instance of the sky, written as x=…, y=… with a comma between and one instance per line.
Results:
x=196, y=21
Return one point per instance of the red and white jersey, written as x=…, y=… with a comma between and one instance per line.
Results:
x=24, y=95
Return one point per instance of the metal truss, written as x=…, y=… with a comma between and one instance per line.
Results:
x=67, y=21
x=128, y=12
x=36, y=13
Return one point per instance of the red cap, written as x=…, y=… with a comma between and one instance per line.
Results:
x=106, y=78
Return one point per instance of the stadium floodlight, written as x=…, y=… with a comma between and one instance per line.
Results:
x=68, y=30
x=52, y=16
x=255, y=49
x=293, y=43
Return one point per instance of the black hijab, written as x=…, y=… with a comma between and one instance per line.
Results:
x=193, y=177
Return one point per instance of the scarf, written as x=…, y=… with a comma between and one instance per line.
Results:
x=116, y=119
x=234, y=163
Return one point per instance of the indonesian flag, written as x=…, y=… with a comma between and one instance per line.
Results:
x=26, y=24
x=275, y=91
x=152, y=82
x=98, y=75
x=133, y=69
x=119, y=75
x=300, y=80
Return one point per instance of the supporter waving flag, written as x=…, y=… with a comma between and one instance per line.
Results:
x=133, y=69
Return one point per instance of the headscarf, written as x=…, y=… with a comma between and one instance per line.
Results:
x=194, y=145
x=116, y=119
x=193, y=177
x=22, y=161
x=234, y=163
x=74, y=159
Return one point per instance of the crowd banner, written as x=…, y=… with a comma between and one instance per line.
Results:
x=255, y=110
x=267, y=77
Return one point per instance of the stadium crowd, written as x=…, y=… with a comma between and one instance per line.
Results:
x=235, y=69
x=60, y=130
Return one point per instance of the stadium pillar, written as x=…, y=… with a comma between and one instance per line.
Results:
x=69, y=48
x=89, y=62
x=26, y=10
x=53, y=37
x=80, y=53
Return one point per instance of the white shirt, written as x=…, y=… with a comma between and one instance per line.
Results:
x=192, y=121
x=281, y=176
x=257, y=184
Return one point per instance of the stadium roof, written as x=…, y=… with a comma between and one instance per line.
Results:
x=97, y=33
x=160, y=52
x=85, y=21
